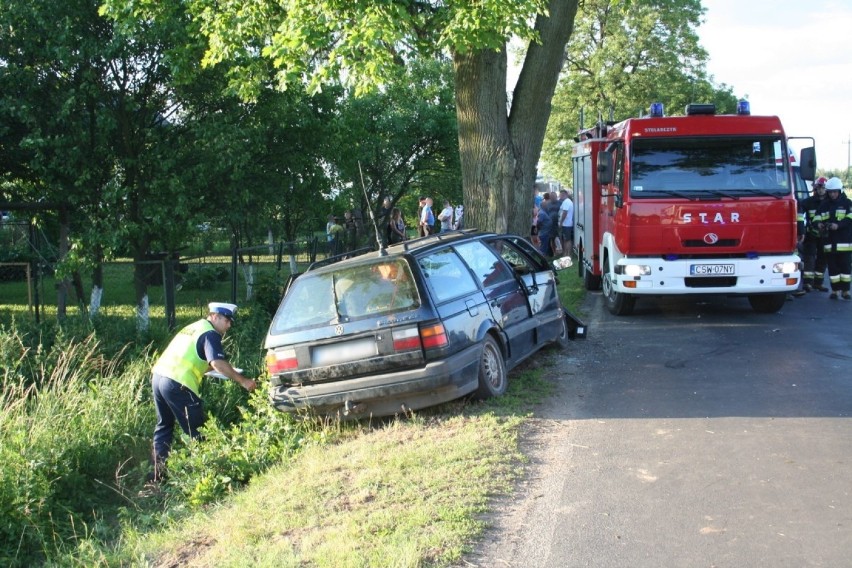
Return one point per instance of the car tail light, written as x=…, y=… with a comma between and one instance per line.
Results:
x=434, y=336
x=407, y=339
x=280, y=361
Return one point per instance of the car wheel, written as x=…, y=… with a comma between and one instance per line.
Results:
x=563, y=340
x=492, y=371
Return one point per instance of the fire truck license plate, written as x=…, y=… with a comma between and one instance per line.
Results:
x=711, y=269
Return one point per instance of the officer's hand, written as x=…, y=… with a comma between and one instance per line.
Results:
x=250, y=385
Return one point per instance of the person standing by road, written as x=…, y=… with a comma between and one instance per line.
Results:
x=427, y=218
x=813, y=255
x=834, y=219
x=177, y=376
x=544, y=226
x=396, y=227
x=458, y=218
x=566, y=222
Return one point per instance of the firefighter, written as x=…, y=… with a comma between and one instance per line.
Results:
x=834, y=219
x=813, y=255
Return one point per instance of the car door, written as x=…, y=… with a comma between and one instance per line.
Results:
x=458, y=301
x=505, y=296
x=539, y=282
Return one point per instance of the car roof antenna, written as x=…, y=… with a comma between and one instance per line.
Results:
x=379, y=240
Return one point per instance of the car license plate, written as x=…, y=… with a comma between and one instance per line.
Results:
x=344, y=351
x=711, y=269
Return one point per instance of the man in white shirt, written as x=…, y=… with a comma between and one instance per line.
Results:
x=566, y=222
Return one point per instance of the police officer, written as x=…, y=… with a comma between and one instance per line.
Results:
x=178, y=373
x=834, y=219
x=813, y=255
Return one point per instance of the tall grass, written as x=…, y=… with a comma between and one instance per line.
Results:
x=67, y=439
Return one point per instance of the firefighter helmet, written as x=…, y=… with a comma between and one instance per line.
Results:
x=820, y=181
x=834, y=184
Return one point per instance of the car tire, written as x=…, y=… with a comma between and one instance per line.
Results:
x=563, y=340
x=492, y=371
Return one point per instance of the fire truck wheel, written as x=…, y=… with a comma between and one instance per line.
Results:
x=617, y=303
x=767, y=303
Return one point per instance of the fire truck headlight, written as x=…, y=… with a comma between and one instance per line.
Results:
x=637, y=270
x=785, y=267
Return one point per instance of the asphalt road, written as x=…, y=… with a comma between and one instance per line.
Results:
x=691, y=434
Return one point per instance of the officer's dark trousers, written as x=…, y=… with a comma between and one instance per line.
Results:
x=174, y=403
x=839, y=270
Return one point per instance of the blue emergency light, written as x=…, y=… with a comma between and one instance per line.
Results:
x=656, y=110
x=743, y=107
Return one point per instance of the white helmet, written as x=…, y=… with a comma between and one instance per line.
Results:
x=834, y=184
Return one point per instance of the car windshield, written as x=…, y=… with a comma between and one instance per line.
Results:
x=351, y=292
x=695, y=168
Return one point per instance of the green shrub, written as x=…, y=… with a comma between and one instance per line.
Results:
x=229, y=456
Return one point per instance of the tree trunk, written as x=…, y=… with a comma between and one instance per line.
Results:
x=485, y=152
x=499, y=151
x=531, y=102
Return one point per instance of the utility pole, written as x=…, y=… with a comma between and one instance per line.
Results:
x=848, y=157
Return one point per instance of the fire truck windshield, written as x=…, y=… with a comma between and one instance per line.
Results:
x=708, y=167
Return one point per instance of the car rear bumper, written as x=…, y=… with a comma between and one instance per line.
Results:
x=389, y=393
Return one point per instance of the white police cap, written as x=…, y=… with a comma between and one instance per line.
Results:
x=227, y=310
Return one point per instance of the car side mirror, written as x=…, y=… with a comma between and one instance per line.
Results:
x=562, y=263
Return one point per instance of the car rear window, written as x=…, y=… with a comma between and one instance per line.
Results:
x=345, y=294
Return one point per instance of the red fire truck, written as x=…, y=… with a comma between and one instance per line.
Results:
x=694, y=204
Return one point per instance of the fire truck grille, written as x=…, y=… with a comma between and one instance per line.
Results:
x=695, y=243
x=711, y=282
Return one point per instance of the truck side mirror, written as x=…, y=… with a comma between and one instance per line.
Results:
x=604, y=167
x=807, y=167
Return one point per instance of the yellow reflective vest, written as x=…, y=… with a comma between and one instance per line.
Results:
x=180, y=361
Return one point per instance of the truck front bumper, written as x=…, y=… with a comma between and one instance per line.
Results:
x=760, y=275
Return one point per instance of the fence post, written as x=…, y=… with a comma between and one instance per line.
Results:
x=169, y=288
x=294, y=267
x=234, y=276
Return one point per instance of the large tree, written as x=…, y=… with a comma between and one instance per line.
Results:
x=622, y=57
x=363, y=42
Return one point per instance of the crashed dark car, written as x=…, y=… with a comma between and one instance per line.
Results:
x=414, y=325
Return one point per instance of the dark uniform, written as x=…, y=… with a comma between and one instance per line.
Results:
x=813, y=255
x=834, y=217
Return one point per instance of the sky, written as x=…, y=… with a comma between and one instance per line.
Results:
x=791, y=59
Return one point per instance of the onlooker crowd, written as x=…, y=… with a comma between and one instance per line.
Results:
x=552, y=229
